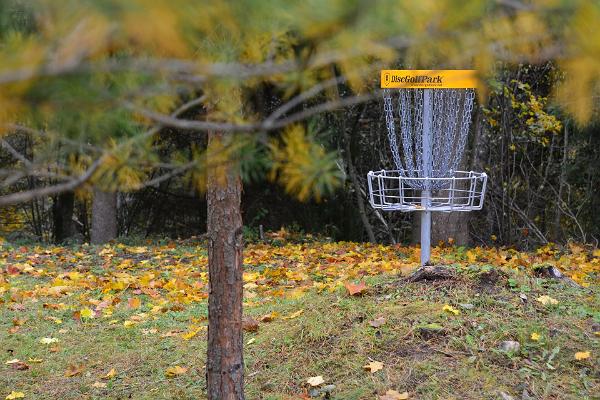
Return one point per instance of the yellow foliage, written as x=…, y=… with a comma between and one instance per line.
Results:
x=302, y=166
x=12, y=219
x=154, y=27
x=582, y=65
x=88, y=37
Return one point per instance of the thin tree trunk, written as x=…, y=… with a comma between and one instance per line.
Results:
x=561, y=183
x=224, y=367
x=62, y=213
x=104, y=217
x=354, y=179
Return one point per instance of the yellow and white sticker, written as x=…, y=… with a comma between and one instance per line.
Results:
x=428, y=78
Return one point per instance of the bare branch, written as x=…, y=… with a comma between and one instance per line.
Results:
x=15, y=153
x=21, y=197
x=195, y=125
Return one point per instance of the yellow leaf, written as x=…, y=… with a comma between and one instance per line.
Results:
x=373, y=366
x=15, y=395
x=172, y=372
x=449, y=309
x=111, y=374
x=192, y=332
x=315, y=380
x=294, y=315
x=86, y=313
x=535, y=336
x=582, y=355
x=129, y=323
x=546, y=300
x=13, y=361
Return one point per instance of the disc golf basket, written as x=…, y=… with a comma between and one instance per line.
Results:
x=429, y=113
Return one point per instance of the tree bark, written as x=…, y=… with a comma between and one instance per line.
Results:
x=104, y=217
x=224, y=367
x=62, y=215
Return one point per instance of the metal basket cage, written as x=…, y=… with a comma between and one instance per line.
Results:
x=393, y=190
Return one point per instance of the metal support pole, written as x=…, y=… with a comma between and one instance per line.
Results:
x=427, y=173
x=425, y=237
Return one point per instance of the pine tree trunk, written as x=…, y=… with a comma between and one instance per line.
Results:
x=224, y=366
x=104, y=217
x=62, y=215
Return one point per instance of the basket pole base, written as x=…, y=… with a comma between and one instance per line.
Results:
x=425, y=237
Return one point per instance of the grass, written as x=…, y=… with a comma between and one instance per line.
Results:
x=426, y=351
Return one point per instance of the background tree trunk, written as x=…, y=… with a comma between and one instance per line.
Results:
x=444, y=226
x=104, y=217
x=62, y=215
x=224, y=366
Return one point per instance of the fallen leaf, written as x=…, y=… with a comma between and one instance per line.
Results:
x=373, y=366
x=111, y=374
x=73, y=370
x=134, y=302
x=293, y=315
x=48, y=340
x=86, y=313
x=192, y=332
x=15, y=395
x=175, y=371
x=252, y=340
x=377, y=322
x=269, y=317
x=35, y=360
x=13, y=361
x=394, y=395
x=315, y=380
x=356, y=289
x=20, y=365
x=99, y=385
x=582, y=355
x=546, y=300
x=451, y=310
x=535, y=336
x=249, y=324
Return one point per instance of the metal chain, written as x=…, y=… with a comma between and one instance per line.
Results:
x=389, y=120
x=451, y=120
